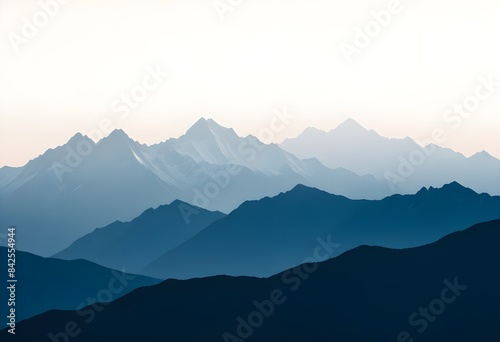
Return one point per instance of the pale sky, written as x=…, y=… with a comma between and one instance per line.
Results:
x=263, y=56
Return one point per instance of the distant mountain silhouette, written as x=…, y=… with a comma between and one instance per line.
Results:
x=363, y=151
x=68, y=191
x=61, y=195
x=137, y=243
x=44, y=284
x=446, y=291
x=264, y=237
x=265, y=170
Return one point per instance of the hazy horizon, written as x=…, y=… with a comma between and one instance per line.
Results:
x=94, y=138
x=240, y=66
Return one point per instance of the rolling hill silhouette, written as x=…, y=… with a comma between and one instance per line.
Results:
x=46, y=283
x=446, y=291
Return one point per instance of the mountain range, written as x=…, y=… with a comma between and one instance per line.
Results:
x=446, y=291
x=68, y=191
x=264, y=237
x=405, y=165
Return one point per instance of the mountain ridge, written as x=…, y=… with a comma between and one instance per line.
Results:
x=403, y=163
x=295, y=219
x=152, y=233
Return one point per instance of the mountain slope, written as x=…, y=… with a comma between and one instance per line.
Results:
x=367, y=294
x=264, y=237
x=403, y=163
x=133, y=245
x=61, y=195
x=45, y=283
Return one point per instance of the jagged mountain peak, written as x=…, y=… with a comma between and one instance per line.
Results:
x=482, y=155
x=117, y=139
x=77, y=138
x=350, y=126
x=455, y=186
x=206, y=128
x=447, y=189
x=117, y=134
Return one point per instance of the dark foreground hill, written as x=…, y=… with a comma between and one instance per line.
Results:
x=445, y=291
x=46, y=283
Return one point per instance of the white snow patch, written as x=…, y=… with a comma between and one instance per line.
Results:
x=138, y=158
